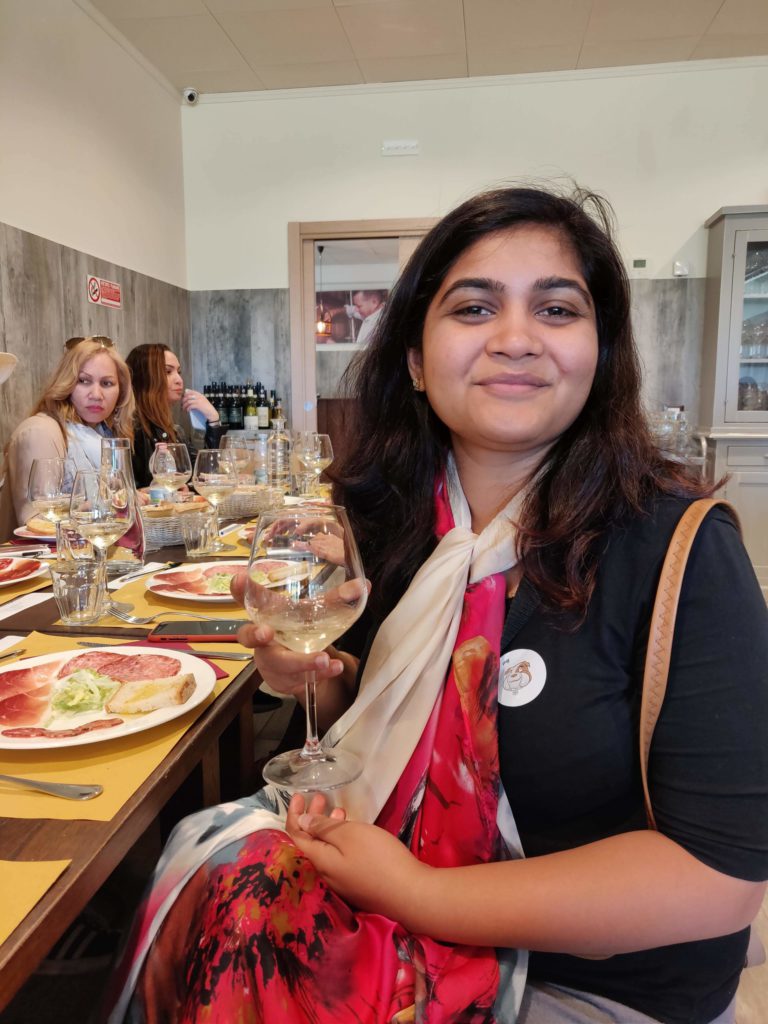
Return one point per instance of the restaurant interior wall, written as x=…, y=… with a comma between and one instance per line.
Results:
x=666, y=144
x=91, y=141
x=91, y=182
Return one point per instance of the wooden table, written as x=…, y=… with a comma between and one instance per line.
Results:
x=95, y=848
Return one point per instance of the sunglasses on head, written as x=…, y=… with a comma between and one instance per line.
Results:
x=102, y=339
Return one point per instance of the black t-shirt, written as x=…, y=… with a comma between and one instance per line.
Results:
x=569, y=757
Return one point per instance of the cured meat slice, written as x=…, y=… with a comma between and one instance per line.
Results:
x=4, y=563
x=56, y=734
x=123, y=667
x=222, y=570
x=24, y=680
x=26, y=708
x=21, y=568
x=196, y=586
x=174, y=579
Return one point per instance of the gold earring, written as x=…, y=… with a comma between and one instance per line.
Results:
x=418, y=384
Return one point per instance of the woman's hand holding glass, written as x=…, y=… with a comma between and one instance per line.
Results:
x=302, y=602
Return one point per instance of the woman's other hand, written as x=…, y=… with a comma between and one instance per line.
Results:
x=366, y=865
x=195, y=400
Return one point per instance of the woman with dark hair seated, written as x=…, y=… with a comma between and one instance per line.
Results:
x=157, y=385
x=513, y=513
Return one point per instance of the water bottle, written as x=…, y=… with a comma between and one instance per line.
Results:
x=129, y=552
x=279, y=457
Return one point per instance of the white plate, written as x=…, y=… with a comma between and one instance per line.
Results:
x=180, y=595
x=205, y=679
x=41, y=568
x=22, y=531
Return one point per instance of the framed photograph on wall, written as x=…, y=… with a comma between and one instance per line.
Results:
x=347, y=318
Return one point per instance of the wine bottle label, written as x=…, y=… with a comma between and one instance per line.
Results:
x=251, y=422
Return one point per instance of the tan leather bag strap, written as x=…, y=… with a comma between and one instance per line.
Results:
x=662, y=629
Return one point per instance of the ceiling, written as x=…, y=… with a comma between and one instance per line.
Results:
x=253, y=45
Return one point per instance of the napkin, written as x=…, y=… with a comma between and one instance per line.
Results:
x=22, y=884
x=7, y=610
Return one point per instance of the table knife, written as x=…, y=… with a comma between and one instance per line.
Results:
x=222, y=655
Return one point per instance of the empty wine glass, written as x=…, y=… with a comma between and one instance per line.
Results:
x=170, y=466
x=244, y=457
x=215, y=478
x=50, y=486
x=306, y=581
x=102, y=510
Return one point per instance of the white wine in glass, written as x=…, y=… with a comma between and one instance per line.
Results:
x=215, y=478
x=50, y=487
x=101, y=509
x=170, y=465
x=306, y=581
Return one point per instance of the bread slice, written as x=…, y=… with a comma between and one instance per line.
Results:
x=161, y=510
x=41, y=526
x=142, y=695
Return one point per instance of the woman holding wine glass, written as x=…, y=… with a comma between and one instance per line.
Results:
x=513, y=513
x=87, y=398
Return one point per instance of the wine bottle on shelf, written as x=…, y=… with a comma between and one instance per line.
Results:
x=236, y=409
x=223, y=408
x=250, y=412
x=262, y=410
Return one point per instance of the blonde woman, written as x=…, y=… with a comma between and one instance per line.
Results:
x=88, y=397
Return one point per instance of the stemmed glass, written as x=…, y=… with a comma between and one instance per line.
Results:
x=305, y=580
x=312, y=453
x=102, y=510
x=244, y=457
x=50, y=487
x=170, y=466
x=215, y=477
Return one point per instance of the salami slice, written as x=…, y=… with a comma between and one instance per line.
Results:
x=123, y=668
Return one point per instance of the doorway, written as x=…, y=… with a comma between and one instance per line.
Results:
x=356, y=257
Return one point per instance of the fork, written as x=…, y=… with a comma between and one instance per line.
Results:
x=70, y=791
x=142, y=620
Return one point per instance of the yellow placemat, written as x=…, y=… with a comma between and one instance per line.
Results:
x=24, y=587
x=120, y=765
x=146, y=603
x=22, y=883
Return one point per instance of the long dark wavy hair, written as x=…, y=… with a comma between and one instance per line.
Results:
x=150, y=387
x=604, y=467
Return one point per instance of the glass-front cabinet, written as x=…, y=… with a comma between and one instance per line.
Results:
x=734, y=385
x=735, y=363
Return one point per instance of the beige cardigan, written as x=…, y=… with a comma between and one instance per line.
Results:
x=37, y=437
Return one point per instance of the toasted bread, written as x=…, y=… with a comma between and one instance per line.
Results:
x=40, y=525
x=143, y=695
x=162, y=510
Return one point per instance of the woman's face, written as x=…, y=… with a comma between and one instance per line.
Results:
x=97, y=390
x=509, y=347
x=173, y=377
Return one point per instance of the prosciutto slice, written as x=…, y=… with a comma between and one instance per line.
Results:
x=17, y=569
x=25, y=694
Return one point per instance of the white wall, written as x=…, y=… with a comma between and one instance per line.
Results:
x=667, y=147
x=90, y=142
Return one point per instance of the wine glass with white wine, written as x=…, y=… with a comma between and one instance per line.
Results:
x=101, y=509
x=314, y=459
x=215, y=478
x=50, y=487
x=306, y=581
x=170, y=466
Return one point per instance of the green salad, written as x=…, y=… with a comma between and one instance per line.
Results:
x=219, y=584
x=84, y=690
